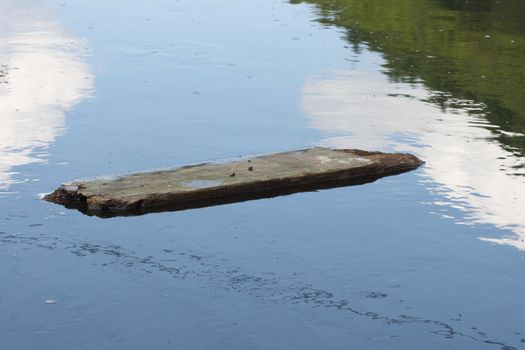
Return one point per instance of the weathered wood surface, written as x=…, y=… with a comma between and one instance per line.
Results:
x=217, y=183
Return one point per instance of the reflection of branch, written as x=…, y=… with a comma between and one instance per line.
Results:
x=3, y=73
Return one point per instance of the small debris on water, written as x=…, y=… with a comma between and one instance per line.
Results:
x=250, y=168
x=51, y=301
x=374, y=295
x=232, y=174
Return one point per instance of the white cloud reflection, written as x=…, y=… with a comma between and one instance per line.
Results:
x=42, y=76
x=362, y=109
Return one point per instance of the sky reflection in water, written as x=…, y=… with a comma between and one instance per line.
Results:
x=42, y=77
x=361, y=108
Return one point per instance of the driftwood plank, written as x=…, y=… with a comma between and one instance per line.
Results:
x=218, y=183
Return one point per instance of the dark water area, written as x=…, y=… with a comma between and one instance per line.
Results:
x=429, y=259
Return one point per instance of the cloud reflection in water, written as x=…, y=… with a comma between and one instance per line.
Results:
x=466, y=165
x=42, y=76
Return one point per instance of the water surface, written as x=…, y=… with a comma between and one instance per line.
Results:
x=430, y=259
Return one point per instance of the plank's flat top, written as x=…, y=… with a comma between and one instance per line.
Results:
x=295, y=164
x=227, y=182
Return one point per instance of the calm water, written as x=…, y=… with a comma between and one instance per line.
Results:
x=430, y=259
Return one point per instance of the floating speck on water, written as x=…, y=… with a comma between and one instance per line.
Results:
x=51, y=301
x=487, y=36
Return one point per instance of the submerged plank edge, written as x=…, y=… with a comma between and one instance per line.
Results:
x=219, y=183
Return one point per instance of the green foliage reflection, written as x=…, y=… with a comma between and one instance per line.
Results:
x=459, y=49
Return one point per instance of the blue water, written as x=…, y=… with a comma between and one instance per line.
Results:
x=430, y=259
